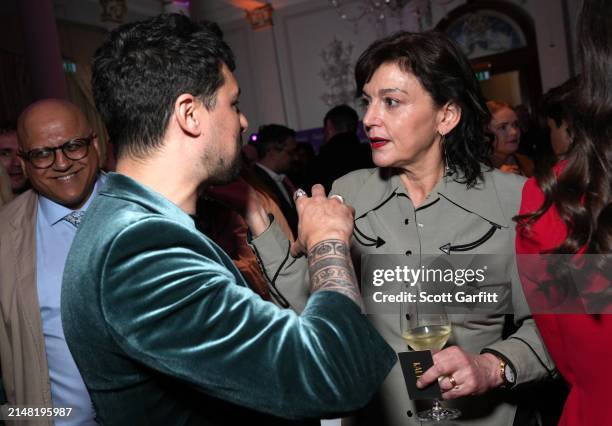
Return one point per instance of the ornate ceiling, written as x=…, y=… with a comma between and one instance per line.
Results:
x=88, y=12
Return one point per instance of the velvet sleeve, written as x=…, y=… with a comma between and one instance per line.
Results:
x=171, y=303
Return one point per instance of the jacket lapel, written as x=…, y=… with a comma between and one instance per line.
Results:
x=378, y=214
x=470, y=200
x=376, y=210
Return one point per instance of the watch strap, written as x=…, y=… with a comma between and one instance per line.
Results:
x=503, y=364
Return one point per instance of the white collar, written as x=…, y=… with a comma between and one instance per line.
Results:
x=276, y=176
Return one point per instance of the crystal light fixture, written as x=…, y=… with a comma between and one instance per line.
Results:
x=377, y=9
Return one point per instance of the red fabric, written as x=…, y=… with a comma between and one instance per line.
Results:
x=581, y=345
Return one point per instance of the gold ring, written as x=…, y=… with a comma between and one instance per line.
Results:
x=452, y=381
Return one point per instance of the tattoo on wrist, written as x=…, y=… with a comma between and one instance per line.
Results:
x=331, y=269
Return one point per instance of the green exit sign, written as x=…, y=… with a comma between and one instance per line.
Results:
x=69, y=66
x=483, y=75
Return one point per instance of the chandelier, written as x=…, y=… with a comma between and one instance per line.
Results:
x=377, y=9
x=380, y=10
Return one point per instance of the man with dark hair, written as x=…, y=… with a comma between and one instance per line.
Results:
x=9, y=157
x=339, y=119
x=342, y=151
x=160, y=322
x=557, y=105
x=276, y=149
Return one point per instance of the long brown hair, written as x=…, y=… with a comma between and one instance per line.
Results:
x=582, y=192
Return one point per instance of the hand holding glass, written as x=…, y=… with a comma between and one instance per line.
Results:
x=427, y=331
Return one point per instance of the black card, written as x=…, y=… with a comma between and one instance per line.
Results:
x=414, y=364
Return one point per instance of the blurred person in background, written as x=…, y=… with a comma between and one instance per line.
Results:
x=302, y=165
x=557, y=107
x=9, y=157
x=507, y=130
x=341, y=152
x=220, y=214
x=276, y=151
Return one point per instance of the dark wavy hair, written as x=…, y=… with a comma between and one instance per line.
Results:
x=558, y=103
x=446, y=74
x=144, y=66
x=582, y=192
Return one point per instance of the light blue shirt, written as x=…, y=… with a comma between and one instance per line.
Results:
x=53, y=239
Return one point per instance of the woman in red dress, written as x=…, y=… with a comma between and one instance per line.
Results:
x=569, y=211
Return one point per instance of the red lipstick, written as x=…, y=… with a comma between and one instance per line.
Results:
x=377, y=143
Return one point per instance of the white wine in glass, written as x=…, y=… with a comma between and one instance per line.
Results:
x=427, y=331
x=427, y=337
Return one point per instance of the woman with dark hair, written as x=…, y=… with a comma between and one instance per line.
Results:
x=507, y=130
x=568, y=211
x=431, y=195
x=557, y=109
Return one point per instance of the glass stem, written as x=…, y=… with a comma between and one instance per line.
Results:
x=436, y=410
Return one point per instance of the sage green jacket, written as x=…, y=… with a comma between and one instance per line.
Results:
x=452, y=219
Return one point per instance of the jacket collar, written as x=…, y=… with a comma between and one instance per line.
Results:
x=482, y=199
x=54, y=212
x=22, y=210
x=123, y=187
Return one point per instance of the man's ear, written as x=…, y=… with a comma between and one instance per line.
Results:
x=189, y=112
x=450, y=115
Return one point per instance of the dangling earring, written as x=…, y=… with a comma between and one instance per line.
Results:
x=447, y=170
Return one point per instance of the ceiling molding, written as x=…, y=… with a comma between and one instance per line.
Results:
x=226, y=11
x=223, y=11
x=88, y=11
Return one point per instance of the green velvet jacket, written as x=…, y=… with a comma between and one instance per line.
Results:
x=166, y=332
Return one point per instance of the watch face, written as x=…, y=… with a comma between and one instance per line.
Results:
x=509, y=373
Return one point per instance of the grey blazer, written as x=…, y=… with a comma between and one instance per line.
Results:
x=452, y=219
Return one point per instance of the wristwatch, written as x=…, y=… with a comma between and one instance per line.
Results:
x=506, y=372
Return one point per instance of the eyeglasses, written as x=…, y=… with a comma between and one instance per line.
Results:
x=74, y=149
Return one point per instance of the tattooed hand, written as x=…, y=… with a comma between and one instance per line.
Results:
x=330, y=267
x=322, y=218
x=325, y=229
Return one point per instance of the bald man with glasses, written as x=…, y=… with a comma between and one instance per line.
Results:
x=59, y=154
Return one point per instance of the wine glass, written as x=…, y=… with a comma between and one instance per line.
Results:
x=427, y=331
